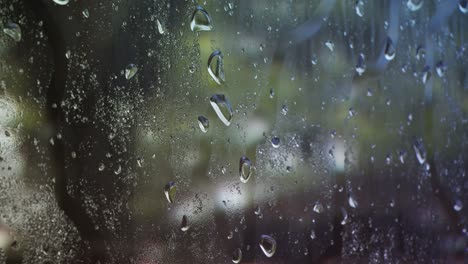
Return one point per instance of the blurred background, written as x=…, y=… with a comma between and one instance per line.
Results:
x=347, y=140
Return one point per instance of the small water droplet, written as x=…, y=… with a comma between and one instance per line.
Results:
x=463, y=6
x=201, y=20
x=414, y=5
x=268, y=245
x=184, y=226
x=258, y=210
x=361, y=65
x=330, y=45
x=420, y=52
x=352, y=202
x=275, y=142
x=318, y=207
x=130, y=71
x=426, y=74
x=389, y=51
x=160, y=27
x=85, y=13
x=216, y=69
x=369, y=92
x=68, y=54
x=61, y=2
x=245, y=169
x=401, y=156
x=458, y=206
x=170, y=191
x=237, y=255
x=419, y=150
x=351, y=112
x=203, y=123
x=220, y=103
x=101, y=166
x=13, y=30
x=359, y=7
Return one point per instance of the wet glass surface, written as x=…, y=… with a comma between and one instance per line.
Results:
x=266, y=131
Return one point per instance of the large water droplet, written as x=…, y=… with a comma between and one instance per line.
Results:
x=275, y=142
x=268, y=245
x=61, y=2
x=201, y=20
x=389, y=51
x=184, y=226
x=203, y=123
x=130, y=71
x=85, y=13
x=13, y=30
x=222, y=108
x=361, y=65
x=352, y=202
x=215, y=67
x=359, y=7
x=170, y=191
x=245, y=169
x=463, y=6
x=419, y=150
x=237, y=255
x=160, y=27
x=414, y=5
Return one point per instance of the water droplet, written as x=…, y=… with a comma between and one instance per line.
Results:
x=426, y=74
x=352, y=202
x=160, y=27
x=237, y=255
x=61, y=2
x=118, y=170
x=258, y=210
x=170, y=191
x=275, y=142
x=201, y=20
x=272, y=93
x=414, y=5
x=268, y=245
x=401, y=156
x=220, y=104
x=419, y=150
x=420, y=52
x=312, y=234
x=440, y=68
x=318, y=207
x=361, y=65
x=458, y=206
x=216, y=70
x=68, y=54
x=203, y=123
x=359, y=7
x=245, y=169
x=130, y=71
x=184, y=226
x=351, y=112
x=463, y=6
x=13, y=30
x=284, y=109
x=101, y=166
x=369, y=92
x=390, y=51
x=85, y=13
x=330, y=45
x=345, y=216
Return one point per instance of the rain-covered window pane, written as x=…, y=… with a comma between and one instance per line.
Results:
x=266, y=131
